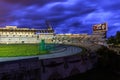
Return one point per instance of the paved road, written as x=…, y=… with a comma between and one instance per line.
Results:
x=69, y=50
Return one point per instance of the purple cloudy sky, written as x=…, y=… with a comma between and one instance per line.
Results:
x=66, y=16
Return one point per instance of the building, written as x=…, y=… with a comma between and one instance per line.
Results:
x=12, y=34
x=69, y=38
x=49, y=68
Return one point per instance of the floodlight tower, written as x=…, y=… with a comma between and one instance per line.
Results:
x=49, y=26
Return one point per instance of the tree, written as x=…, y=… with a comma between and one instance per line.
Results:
x=114, y=39
x=118, y=37
x=111, y=40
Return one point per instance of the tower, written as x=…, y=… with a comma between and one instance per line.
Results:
x=99, y=33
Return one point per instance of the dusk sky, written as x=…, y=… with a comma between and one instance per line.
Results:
x=66, y=16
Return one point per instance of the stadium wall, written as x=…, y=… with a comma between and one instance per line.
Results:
x=47, y=69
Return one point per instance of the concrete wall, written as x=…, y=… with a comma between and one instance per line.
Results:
x=46, y=69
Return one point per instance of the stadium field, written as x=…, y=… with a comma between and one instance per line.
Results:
x=15, y=50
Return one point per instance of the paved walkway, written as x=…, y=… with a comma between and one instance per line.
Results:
x=70, y=50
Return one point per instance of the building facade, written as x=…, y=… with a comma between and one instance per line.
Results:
x=12, y=34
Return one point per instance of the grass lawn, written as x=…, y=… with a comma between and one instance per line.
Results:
x=11, y=50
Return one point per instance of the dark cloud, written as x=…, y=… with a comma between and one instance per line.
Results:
x=75, y=24
x=66, y=16
x=32, y=2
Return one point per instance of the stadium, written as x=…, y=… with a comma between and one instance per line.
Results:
x=40, y=54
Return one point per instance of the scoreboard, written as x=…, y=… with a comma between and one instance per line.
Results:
x=100, y=27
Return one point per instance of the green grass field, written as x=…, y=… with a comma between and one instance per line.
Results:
x=12, y=50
